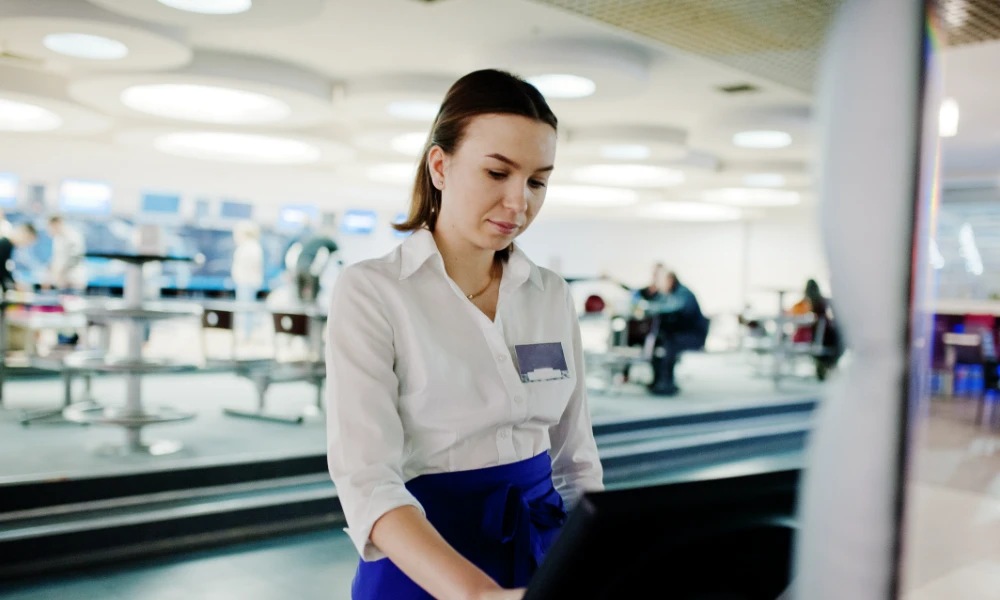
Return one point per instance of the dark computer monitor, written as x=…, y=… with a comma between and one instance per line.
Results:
x=727, y=538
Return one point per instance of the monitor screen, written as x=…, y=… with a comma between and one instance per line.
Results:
x=235, y=210
x=85, y=197
x=358, y=222
x=167, y=204
x=8, y=189
x=295, y=216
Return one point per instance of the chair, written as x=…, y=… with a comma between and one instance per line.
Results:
x=262, y=372
x=594, y=305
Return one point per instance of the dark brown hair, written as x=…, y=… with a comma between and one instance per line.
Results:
x=479, y=93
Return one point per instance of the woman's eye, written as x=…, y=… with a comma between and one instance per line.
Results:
x=536, y=184
x=497, y=175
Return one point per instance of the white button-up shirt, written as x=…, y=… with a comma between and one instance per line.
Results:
x=420, y=381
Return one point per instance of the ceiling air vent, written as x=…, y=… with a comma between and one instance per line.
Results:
x=739, y=88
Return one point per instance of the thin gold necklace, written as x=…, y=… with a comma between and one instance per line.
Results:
x=493, y=275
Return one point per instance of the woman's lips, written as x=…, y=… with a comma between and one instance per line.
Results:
x=504, y=227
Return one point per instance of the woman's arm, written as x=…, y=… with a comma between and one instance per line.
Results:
x=413, y=545
x=365, y=437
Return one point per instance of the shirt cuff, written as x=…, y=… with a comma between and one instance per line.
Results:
x=383, y=499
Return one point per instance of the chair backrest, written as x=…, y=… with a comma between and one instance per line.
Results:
x=217, y=319
x=594, y=305
x=295, y=324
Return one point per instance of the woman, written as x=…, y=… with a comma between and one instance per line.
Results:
x=247, y=271
x=457, y=418
x=813, y=303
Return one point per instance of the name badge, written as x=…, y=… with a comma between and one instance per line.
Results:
x=541, y=362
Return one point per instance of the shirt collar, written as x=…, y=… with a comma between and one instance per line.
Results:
x=420, y=246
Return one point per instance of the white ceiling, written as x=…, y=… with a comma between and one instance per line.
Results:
x=343, y=43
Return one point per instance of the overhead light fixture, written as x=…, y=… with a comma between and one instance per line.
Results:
x=948, y=118
x=393, y=173
x=204, y=103
x=83, y=45
x=590, y=196
x=414, y=110
x=210, y=7
x=689, y=211
x=237, y=147
x=765, y=140
x=765, y=180
x=752, y=197
x=410, y=144
x=563, y=86
x=18, y=116
x=626, y=152
x=630, y=176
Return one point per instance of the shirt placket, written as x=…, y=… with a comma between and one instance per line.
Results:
x=513, y=388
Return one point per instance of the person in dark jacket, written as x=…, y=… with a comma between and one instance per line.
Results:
x=307, y=258
x=678, y=325
x=22, y=236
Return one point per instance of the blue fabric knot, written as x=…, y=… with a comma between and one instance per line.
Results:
x=529, y=518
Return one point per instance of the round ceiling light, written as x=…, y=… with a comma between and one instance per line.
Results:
x=210, y=7
x=765, y=180
x=393, y=173
x=628, y=175
x=752, y=197
x=689, y=211
x=204, y=103
x=590, y=196
x=19, y=116
x=626, y=152
x=762, y=139
x=410, y=144
x=414, y=110
x=563, y=86
x=237, y=147
x=84, y=45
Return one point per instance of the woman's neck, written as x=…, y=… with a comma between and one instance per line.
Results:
x=468, y=266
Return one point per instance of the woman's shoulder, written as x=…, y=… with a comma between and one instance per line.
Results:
x=375, y=270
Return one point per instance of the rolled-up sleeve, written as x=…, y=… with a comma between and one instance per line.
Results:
x=364, y=431
x=576, y=466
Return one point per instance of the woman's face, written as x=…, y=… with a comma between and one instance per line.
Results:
x=494, y=184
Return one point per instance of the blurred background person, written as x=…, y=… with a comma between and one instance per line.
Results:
x=67, y=269
x=678, y=325
x=308, y=259
x=813, y=304
x=247, y=271
x=22, y=236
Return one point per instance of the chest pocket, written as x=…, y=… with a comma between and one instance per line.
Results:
x=547, y=397
x=547, y=400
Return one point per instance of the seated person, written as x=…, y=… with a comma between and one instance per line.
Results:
x=22, y=236
x=678, y=325
x=308, y=259
x=815, y=304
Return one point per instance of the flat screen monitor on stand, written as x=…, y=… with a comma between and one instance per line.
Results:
x=716, y=539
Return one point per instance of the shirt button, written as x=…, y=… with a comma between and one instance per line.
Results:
x=503, y=434
x=518, y=400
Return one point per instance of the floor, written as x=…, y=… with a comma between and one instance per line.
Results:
x=65, y=450
x=954, y=534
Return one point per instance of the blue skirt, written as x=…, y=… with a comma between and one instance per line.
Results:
x=503, y=519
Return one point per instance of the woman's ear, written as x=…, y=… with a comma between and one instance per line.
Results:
x=436, y=164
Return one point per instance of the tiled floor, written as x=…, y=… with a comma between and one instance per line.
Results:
x=315, y=566
x=953, y=535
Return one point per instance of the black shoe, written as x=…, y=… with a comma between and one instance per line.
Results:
x=664, y=390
